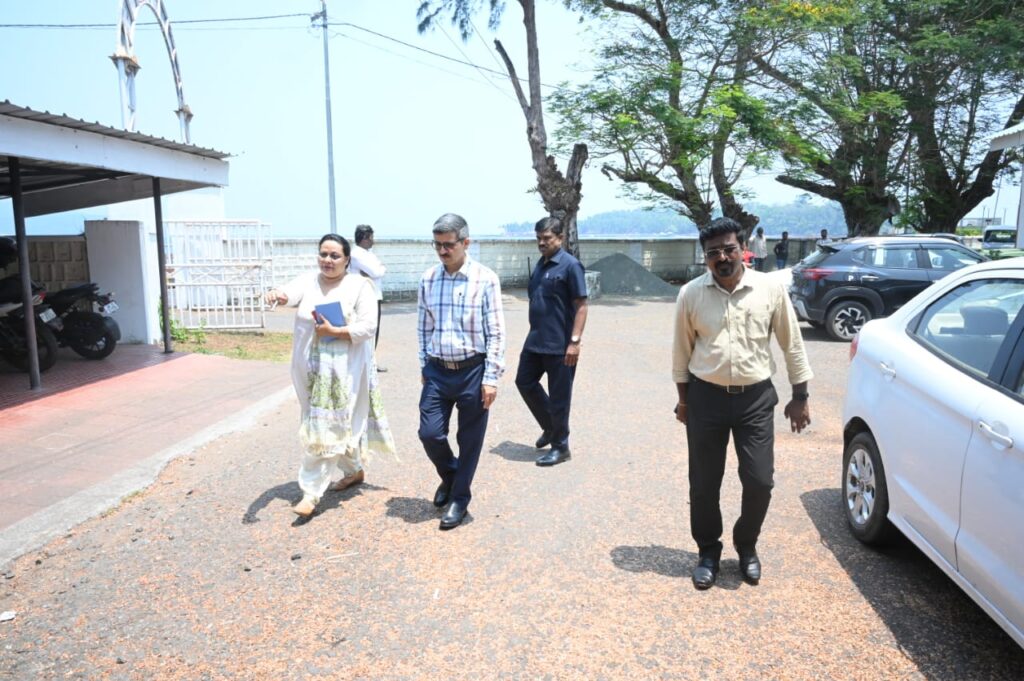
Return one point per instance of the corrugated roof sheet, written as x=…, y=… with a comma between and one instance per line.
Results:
x=62, y=120
x=999, y=140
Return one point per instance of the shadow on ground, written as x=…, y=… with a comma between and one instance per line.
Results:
x=932, y=620
x=412, y=510
x=668, y=562
x=514, y=451
x=291, y=493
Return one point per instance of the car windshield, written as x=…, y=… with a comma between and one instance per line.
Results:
x=1000, y=236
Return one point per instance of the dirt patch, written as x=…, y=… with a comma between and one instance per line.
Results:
x=621, y=275
x=269, y=347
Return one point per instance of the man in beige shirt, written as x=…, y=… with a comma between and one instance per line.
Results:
x=722, y=366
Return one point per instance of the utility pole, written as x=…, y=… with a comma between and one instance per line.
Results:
x=322, y=14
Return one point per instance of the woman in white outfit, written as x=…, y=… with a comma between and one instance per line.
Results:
x=334, y=375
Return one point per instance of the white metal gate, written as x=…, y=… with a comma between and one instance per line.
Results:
x=217, y=273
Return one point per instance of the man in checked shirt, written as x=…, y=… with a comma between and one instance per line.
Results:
x=461, y=329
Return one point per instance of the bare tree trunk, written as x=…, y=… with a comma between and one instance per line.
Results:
x=561, y=193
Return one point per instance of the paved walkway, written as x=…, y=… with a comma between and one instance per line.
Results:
x=102, y=429
x=580, y=571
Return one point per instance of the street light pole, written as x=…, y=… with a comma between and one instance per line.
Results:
x=330, y=135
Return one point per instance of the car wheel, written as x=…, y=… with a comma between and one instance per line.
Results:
x=845, y=319
x=865, y=494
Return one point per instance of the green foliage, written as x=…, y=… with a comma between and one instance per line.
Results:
x=181, y=334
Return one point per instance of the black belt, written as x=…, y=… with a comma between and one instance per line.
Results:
x=733, y=389
x=473, y=361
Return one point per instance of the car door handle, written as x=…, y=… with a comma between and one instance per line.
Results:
x=868, y=277
x=991, y=434
x=887, y=370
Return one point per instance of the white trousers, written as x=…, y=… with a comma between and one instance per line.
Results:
x=316, y=473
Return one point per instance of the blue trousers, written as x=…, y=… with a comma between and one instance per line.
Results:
x=551, y=409
x=444, y=389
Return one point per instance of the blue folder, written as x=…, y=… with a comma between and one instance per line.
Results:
x=332, y=313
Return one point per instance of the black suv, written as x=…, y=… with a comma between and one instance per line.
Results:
x=847, y=282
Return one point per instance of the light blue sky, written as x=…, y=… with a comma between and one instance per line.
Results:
x=414, y=136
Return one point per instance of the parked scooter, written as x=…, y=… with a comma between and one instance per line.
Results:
x=83, y=322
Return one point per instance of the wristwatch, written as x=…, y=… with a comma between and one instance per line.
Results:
x=575, y=340
x=801, y=397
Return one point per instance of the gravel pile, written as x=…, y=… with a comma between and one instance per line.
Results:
x=621, y=275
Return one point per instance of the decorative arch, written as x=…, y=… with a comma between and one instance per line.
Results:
x=128, y=65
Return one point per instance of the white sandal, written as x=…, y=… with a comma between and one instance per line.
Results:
x=306, y=506
x=346, y=482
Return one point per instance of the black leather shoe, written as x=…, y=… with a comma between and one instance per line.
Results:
x=444, y=490
x=544, y=440
x=554, y=456
x=705, y=573
x=750, y=566
x=453, y=515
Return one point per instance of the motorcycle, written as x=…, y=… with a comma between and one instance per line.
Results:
x=83, y=322
x=13, y=344
x=78, y=316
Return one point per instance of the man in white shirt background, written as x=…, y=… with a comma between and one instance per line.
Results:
x=366, y=263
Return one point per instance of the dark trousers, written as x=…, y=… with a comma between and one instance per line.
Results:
x=442, y=390
x=712, y=415
x=550, y=410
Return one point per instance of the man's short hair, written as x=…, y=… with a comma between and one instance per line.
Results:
x=362, y=231
x=721, y=227
x=550, y=223
x=452, y=223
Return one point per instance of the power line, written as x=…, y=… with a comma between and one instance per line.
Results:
x=431, y=52
x=463, y=53
x=490, y=51
x=183, y=22
x=413, y=60
x=154, y=23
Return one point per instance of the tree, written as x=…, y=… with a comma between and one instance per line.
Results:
x=561, y=193
x=669, y=109
x=892, y=94
x=844, y=134
x=965, y=66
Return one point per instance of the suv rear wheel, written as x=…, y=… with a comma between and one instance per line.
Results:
x=845, y=319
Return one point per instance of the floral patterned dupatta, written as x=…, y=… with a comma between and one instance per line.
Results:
x=334, y=382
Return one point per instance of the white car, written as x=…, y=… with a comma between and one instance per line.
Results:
x=934, y=433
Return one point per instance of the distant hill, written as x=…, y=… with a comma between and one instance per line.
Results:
x=799, y=218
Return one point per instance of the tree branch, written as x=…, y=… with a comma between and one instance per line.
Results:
x=514, y=78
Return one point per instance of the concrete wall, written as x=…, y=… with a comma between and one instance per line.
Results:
x=511, y=259
x=120, y=256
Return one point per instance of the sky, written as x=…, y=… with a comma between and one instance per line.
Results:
x=415, y=135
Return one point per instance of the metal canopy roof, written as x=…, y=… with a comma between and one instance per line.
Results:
x=67, y=163
x=1010, y=137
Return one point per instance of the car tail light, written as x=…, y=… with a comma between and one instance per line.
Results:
x=853, y=346
x=815, y=273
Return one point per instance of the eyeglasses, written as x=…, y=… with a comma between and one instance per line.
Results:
x=331, y=256
x=716, y=253
x=445, y=245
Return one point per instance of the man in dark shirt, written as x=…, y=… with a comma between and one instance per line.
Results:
x=558, y=313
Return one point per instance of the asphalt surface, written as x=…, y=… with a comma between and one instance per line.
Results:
x=580, y=571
